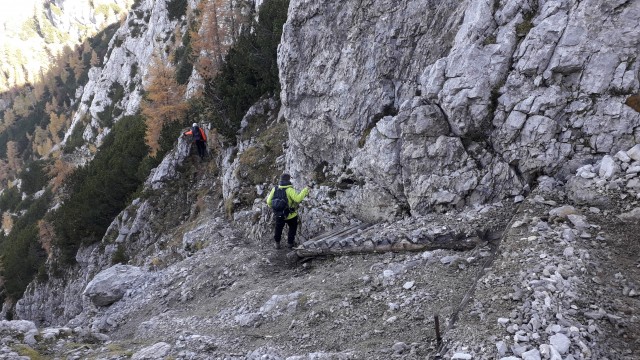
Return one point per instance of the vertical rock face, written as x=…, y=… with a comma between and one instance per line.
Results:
x=118, y=84
x=424, y=106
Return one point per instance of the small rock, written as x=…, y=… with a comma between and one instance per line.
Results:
x=579, y=221
x=533, y=354
x=560, y=342
x=633, y=169
x=501, y=347
x=400, y=347
x=156, y=351
x=568, y=252
x=408, y=285
x=518, y=350
x=586, y=172
x=634, y=153
x=562, y=211
x=608, y=167
x=461, y=356
x=517, y=224
x=553, y=329
x=449, y=259
x=622, y=156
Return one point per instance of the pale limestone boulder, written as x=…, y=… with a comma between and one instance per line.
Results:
x=110, y=285
x=156, y=351
x=608, y=167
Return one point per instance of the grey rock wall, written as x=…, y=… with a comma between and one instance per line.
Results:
x=426, y=107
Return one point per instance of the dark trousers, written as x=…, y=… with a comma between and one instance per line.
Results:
x=202, y=148
x=293, y=226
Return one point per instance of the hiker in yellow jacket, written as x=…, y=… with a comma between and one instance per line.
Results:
x=288, y=214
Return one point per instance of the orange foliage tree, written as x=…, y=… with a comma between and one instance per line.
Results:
x=46, y=234
x=164, y=101
x=59, y=171
x=216, y=32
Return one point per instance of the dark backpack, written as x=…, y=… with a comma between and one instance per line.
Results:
x=195, y=132
x=280, y=203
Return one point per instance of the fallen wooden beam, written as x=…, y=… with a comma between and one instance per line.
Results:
x=457, y=242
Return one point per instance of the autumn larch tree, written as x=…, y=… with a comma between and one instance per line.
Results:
x=164, y=101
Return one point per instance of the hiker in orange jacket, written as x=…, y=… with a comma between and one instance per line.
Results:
x=200, y=138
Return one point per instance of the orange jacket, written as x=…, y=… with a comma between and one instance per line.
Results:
x=202, y=134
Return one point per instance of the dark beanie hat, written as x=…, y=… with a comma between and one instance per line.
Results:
x=285, y=177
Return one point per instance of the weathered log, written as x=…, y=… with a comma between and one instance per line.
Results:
x=448, y=241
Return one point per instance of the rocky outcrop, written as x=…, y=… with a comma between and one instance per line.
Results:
x=110, y=285
x=466, y=102
x=117, y=84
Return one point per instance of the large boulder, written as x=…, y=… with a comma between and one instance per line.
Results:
x=110, y=285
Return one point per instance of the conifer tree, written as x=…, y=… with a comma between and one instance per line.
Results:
x=164, y=101
x=13, y=157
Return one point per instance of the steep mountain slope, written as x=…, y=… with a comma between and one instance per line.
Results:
x=35, y=33
x=508, y=125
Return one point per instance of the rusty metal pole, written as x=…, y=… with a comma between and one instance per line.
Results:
x=437, y=324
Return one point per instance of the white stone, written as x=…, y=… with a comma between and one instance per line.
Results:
x=461, y=356
x=568, y=252
x=634, y=153
x=586, y=172
x=622, y=156
x=156, y=351
x=388, y=273
x=110, y=285
x=633, y=184
x=449, y=259
x=579, y=221
x=560, y=342
x=562, y=211
x=633, y=169
x=532, y=354
x=408, y=285
x=608, y=167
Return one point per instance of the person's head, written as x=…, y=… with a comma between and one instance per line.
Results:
x=195, y=125
x=285, y=177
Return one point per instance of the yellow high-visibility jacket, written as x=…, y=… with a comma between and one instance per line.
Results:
x=293, y=198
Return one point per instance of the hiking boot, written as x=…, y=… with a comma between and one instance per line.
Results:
x=278, y=246
x=291, y=246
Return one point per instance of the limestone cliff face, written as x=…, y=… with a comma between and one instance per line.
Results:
x=126, y=65
x=416, y=106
